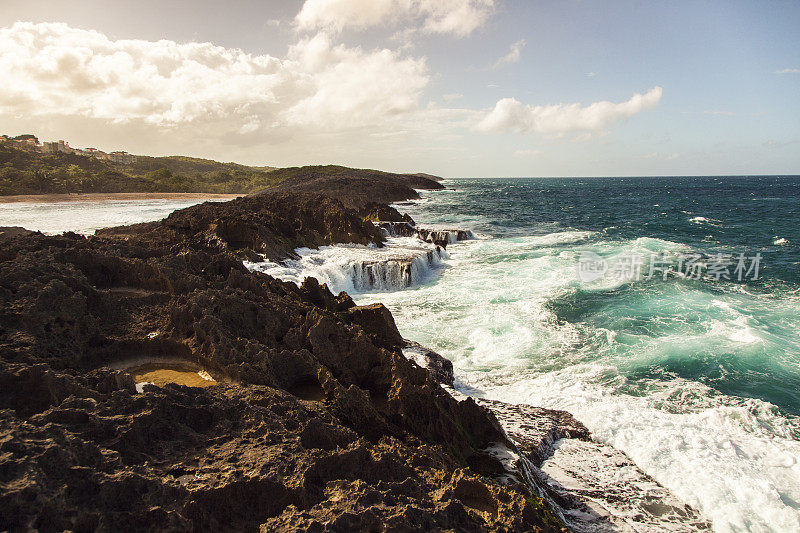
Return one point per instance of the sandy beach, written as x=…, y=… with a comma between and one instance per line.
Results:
x=109, y=197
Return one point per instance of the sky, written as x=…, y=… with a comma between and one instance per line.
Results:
x=457, y=88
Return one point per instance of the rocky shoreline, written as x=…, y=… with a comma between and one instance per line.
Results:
x=315, y=420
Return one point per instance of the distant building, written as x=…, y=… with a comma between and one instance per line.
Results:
x=94, y=152
x=57, y=147
x=123, y=158
x=30, y=142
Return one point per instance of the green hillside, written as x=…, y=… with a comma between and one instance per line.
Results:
x=28, y=172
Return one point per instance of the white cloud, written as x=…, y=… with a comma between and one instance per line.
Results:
x=452, y=97
x=515, y=52
x=455, y=17
x=591, y=74
x=57, y=70
x=788, y=71
x=510, y=115
x=353, y=86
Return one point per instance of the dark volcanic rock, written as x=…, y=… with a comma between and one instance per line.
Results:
x=377, y=321
x=270, y=224
x=356, y=188
x=318, y=423
x=398, y=228
x=536, y=429
x=14, y=231
x=384, y=213
x=440, y=368
x=596, y=487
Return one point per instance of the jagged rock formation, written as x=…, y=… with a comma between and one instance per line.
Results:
x=440, y=368
x=317, y=423
x=597, y=488
x=270, y=224
x=14, y=231
x=355, y=188
x=378, y=213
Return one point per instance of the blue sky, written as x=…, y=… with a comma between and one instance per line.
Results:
x=416, y=85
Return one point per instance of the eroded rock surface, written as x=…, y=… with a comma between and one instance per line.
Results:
x=440, y=368
x=596, y=487
x=320, y=422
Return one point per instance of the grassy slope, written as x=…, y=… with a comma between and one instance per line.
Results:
x=26, y=172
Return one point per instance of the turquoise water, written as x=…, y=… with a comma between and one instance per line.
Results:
x=697, y=380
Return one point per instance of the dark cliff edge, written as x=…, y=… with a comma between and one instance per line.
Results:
x=313, y=420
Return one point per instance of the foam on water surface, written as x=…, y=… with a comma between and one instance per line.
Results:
x=680, y=375
x=403, y=262
x=699, y=383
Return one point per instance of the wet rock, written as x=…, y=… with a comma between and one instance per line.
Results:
x=270, y=224
x=595, y=487
x=440, y=368
x=439, y=237
x=397, y=229
x=320, y=423
x=384, y=213
x=536, y=429
x=378, y=322
x=599, y=488
x=448, y=235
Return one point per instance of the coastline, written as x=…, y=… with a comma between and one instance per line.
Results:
x=112, y=197
x=594, y=485
x=491, y=439
x=311, y=414
x=547, y=345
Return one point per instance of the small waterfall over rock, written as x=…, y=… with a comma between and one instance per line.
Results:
x=403, y=262
x=394, y=273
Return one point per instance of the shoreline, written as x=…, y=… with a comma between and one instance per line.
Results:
x=313, y=389
x=160, y=301
x=111, y=197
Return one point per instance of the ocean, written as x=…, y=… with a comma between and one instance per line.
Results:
x=698, y=380
x=561, y=301
x=86, y=217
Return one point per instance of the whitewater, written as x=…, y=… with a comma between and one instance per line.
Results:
x=698, y=381
x=694, y=380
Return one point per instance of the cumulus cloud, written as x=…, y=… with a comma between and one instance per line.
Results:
x=513, y=55
x=54, y=69
x=510, y=115
x=455, y=17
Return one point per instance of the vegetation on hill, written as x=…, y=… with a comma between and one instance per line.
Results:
x=28, y=172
